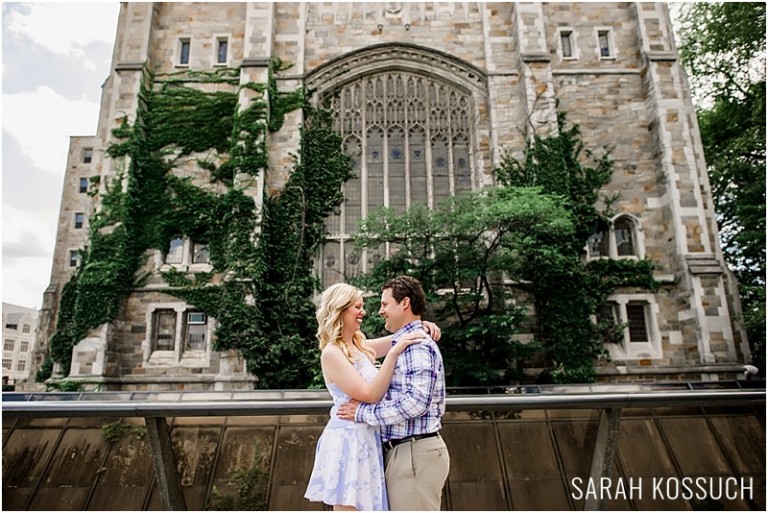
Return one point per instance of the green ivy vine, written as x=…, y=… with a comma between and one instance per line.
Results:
x=261, y=283
x=566, y=291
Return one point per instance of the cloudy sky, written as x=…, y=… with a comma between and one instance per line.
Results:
x=55, y=57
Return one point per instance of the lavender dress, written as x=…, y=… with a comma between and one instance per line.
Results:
x=349, y=467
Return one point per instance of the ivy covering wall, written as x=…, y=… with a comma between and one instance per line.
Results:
x=261, y=284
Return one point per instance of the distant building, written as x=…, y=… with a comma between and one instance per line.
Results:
x=427, y=96
x=19, y=331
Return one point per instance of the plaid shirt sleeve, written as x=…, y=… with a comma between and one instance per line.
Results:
x=414, y=397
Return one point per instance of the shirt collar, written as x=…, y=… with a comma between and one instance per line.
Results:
x=408, y=328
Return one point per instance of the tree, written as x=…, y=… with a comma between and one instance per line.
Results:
x=723, y=48
x=459, y=252
x=529, y=231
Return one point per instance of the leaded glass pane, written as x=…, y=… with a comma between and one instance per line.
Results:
x=331, y=263
x=415, y=139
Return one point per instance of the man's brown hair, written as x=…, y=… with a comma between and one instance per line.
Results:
x=407, y=286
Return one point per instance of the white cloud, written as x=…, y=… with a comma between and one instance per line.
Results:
x=65, y=27
x=42, y=123
x=26, y=277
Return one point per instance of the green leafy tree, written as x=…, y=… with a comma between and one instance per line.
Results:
x=531, y=229
x=723, y=48
x=460, y=252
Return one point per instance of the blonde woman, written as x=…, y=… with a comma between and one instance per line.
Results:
x=349, y=471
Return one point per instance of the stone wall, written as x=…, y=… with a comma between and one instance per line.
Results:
x=507, y=55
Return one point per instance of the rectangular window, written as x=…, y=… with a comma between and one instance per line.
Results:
x=196, y=327
x=24, y=346
x=636, y=321
x=565, y=43
x=79, y=219
x=222, y=45
x=7, y=363
x=175, y=251
x=184, y=52
x=608, y=312
x=11, y=326
x=598, y=244
x=164, y=335
x=200, y=253
x=87, y=155
x=83, y=185
x=8, y=344
x=74, y=258
x=604, y=43
x=21, y=365
x=624, y=243
x=25, y=328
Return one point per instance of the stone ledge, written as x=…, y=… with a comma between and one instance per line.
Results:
x=129, y=66
x=703, y=264
x=658, y=55
x=535, y=57
x=255, y=63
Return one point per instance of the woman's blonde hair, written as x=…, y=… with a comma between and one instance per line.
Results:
x=334, y=301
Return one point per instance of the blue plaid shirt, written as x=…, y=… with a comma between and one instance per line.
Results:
x=415, y=400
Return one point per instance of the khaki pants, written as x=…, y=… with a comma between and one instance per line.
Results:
x=415, y=473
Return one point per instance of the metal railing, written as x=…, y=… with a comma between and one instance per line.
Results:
x=610, y=402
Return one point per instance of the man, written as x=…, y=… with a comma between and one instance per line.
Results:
x=416, y=460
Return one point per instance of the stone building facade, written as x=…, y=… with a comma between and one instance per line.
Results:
x=19, y=334
x=428, y=97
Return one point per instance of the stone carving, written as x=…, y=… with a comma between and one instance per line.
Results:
x=393, y=7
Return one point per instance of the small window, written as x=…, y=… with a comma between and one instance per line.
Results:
x=164, y=336
x=565, y=43
x=624, y=234
x=11, y=326
x=604, y=43
x=175, y=251
x=25, y=328
x=24, y=346
x=7, y=363
x=200, y=253
x=598, y=244
x=608, y=312
x=196, y=328
x=21, y=365
x=184, y=51
x=87, y=155
x=74, y=258
x=222, y=45
x=83, y=185
x=636, y=321
x=79, y=219
x=8, y=344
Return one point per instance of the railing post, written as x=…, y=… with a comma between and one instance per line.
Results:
x=603, y=455
x=166, y=473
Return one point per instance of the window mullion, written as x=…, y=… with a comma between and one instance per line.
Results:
x=363, y=165
x=451, y=170
x=177, y=336
x=428, y=146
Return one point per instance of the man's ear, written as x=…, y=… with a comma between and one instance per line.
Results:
x=406, y=303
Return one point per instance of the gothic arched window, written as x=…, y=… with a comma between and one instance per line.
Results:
x=622, y=239
x=409, y=140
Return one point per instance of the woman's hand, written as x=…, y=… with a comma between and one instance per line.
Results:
x=432, y=329
x=406, y=340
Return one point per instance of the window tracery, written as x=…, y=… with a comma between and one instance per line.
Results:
x=409, y=140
